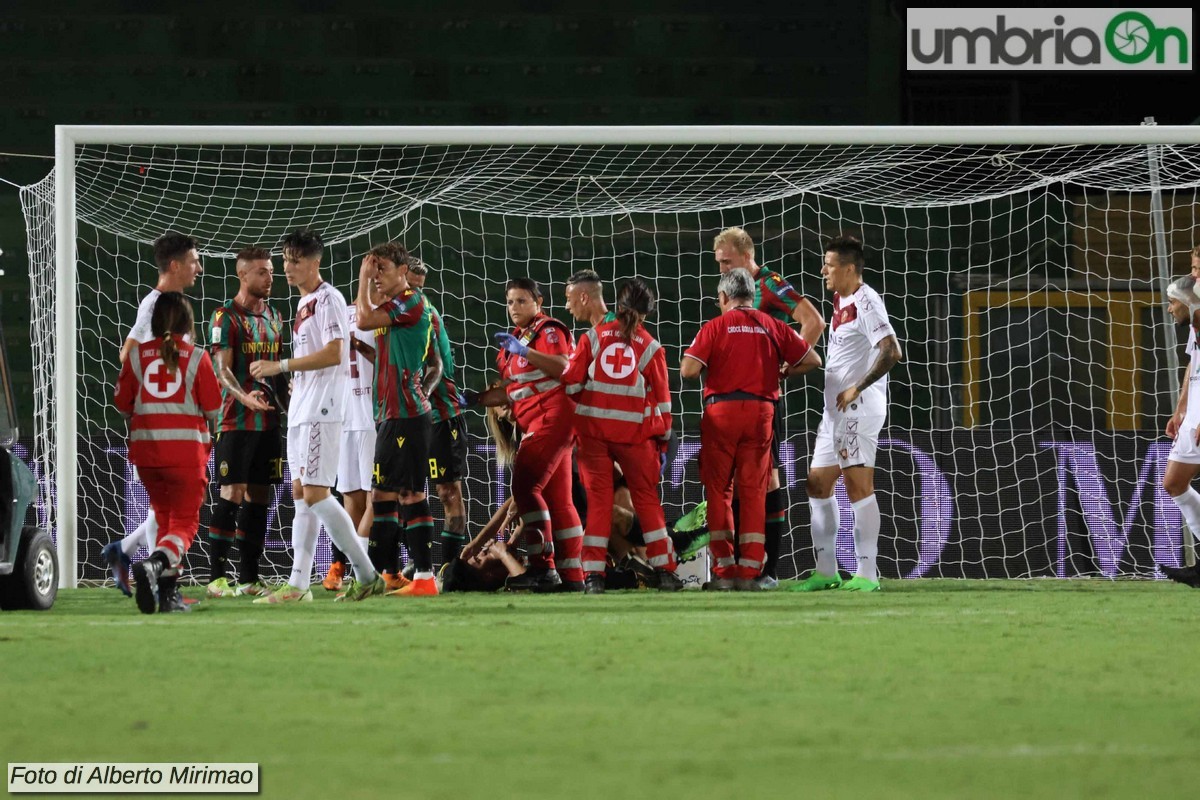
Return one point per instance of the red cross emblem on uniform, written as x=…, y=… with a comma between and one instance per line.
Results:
x=617, y=360
x=161, y=382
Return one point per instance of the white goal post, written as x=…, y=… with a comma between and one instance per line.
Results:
x=868, y=166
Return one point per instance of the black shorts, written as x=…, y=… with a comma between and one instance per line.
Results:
x=402, y=454
x=778, y=434
x=448, y=450
x=250, y=457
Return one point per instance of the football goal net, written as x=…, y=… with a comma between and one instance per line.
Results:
x=1023, y=269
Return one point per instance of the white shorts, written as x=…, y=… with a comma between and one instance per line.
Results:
x=312, y=452
x=357, y=462
x=1184, y=448
x=847, y=441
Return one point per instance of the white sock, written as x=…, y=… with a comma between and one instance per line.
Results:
x=418, y=576
x=340, y=528
x=866, y=537
x=145, y=535
x=1189, y=506
x=305, y=528
x=824, y=512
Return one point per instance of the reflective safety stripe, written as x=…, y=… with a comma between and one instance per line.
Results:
x=654, y=536
x=637, y=390
x=720, y=536
x=664, y=408
x=573, y=532
x=522, y=393
x=607, y=413
x=726, y=562
x=594, y=566
x=745, y=562
x=173, y=547
x=660, y=561
x=169, y=435
x=164, y=408
x=575, y=388
x=594, y=338
x=528, y=377
x=546, y=385
x=653, y=348
x=569, y=563
x=536, y=516
x=752, y=537
x=595, y=541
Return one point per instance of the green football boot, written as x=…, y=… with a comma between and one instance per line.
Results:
x=860, y=584
x=696, y=518
x=818, y=583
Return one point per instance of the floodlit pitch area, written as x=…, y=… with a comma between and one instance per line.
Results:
x=928, y=689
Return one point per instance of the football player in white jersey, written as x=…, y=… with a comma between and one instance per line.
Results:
x=316, y=413
x=178, y=261
x=1183, y=462
x=357, y=459
x=862, y=349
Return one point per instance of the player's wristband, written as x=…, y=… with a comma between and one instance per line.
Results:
x=283, y=366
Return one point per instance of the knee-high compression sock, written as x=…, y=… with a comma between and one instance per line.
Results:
x=384, y=545
x=866, y=537
x=776, y=525
x=305, y=530
x=1189, y=507
x=340, y=528
x=220, y=534
x=824, y=533
x=252, y=532
x=454, y=536
x=418, y=536
x=145, y=535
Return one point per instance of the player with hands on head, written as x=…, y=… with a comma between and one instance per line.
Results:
x=168, y=391
x=316, y=413
x=248, y=456
x=862, y=350
x=178, y=260
x=407, y=368
x=742, y=354
x=617, y=376
x=448, y=449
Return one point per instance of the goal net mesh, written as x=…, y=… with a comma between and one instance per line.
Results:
x=1025, y=429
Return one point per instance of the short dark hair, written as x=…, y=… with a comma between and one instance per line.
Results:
x=416, y=266
x=848, y=250
x=303, y=243
x=526, y=284
x=584, y=276
x=390, y=251
x=253, y=254
x=171, y=246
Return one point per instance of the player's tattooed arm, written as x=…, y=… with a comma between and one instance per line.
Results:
x=255, y=400
x=889, y=356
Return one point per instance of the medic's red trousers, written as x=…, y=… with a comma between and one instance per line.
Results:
x=735, y=439
x=176, y=494
x=541, y=487
x=639, y=463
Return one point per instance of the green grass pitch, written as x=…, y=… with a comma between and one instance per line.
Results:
x=929, y=689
